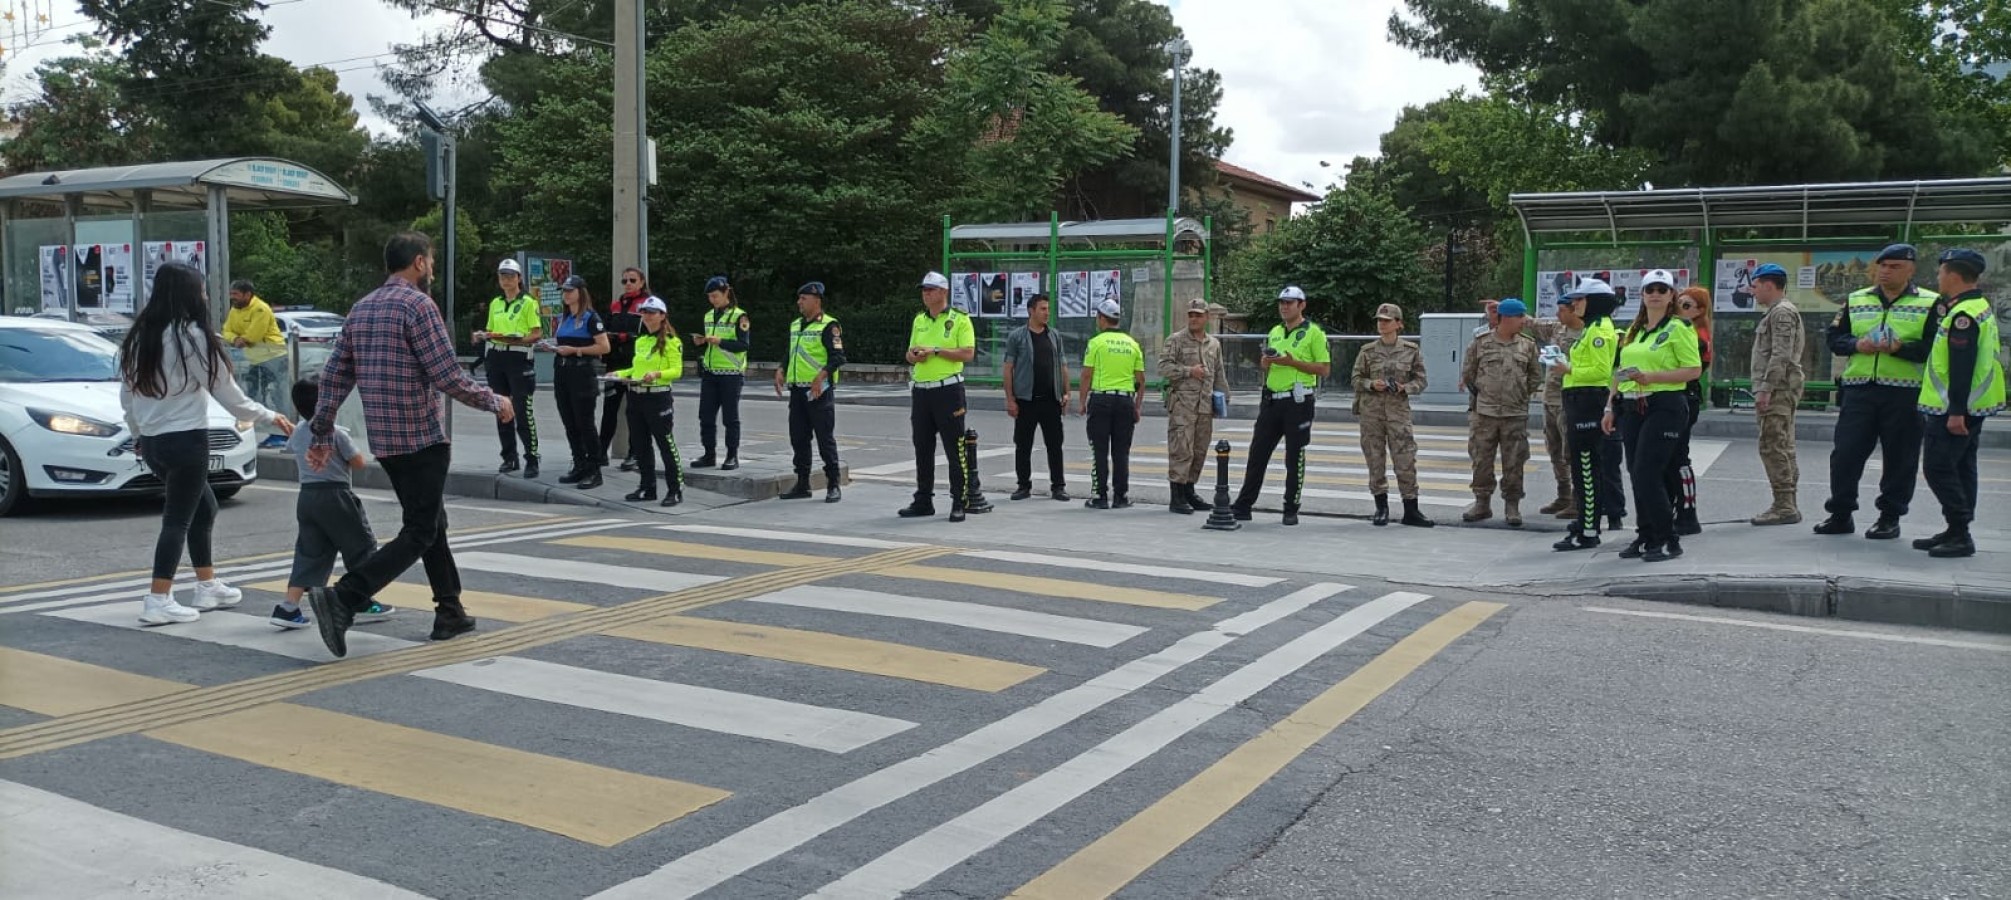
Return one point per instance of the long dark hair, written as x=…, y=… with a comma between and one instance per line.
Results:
x=177, y=301
x=586, y=300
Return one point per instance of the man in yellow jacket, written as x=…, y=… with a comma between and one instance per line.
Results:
x=251, y=328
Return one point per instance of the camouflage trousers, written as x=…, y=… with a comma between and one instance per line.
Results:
x=1777, y=441
x=1555, y=447
x=1190, y=425
x=1386, y=437
x=1507, y=436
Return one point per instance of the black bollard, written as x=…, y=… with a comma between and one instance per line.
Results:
x=973, y=490
x=1222, y=518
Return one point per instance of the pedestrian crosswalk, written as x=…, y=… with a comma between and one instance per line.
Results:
x=751, y=700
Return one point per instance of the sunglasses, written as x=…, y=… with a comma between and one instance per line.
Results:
x=1658, y=289
x=1686, y=305
x=631, y=281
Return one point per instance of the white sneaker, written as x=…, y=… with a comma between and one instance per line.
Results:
x=213, y=594
x=161, y=609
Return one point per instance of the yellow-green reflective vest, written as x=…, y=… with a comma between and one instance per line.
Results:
x=1592, y=356
x=1986, y=383
x=723, y=324
x=807, y=355
x=1907, y=318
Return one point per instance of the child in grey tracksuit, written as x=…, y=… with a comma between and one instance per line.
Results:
x=331, y=519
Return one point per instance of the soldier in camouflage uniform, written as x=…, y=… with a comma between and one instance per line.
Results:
x=1561, y=332
x=1190, y=362
x=1778, y=345
x=1502, y=374
x=1386, y=374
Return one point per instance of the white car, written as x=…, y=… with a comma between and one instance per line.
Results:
x=62, y=432
x=313, y=333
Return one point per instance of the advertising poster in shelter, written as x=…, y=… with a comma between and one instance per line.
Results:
x=156, y=253
x=965, y=288
x=119, y=286
x=55, y=272
x=89, y=270
x=1105, y=285
x=1818, y=281
x=1552, y=286
x=1072, y=300
x=992, y=301
x=1024, y=286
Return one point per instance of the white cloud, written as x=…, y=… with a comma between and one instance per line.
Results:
x=1309, y=80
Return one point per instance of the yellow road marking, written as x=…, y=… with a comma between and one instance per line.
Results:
x=1052, y=587
x=128, y=718
x=581, y=801
x=714, y=552
x=833, y=651
x=1119, y=857
x=266, y=557
x=54, y=686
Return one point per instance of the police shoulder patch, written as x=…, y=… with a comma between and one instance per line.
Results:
x=1598, y=342
x=1963, y=322
x=744, y=325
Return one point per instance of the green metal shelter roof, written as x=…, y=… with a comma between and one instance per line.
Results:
x=250, y=182
x=1799, y=207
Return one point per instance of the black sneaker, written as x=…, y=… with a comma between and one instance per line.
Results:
x=1655, y=553
x=1673, y=547
x=799, y=491
x=1022, y=493
x=1885, y=529
x=589, y=481
x=333, y=618
x=832, y=494
x=1955, y=547
x=957, y=513
x=508, y=466
x=1634, y=549
x=1929, y=543
x=573, y=477
x=920, y=509
x=1096, y=503
x=1242, y=513
x=448, y=625
x=1576, y=542
x=1121, y=502
x=732, y=462
x=1291, y=517
x=672, y=498
x=704, y=462
x=1837, y=523
x=627, y=464
x=531, y=467
x=1059, y=494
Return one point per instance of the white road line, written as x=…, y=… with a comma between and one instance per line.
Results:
x=909, y=466
x=129, y=590
x=912, y=864
x=707, y=709
x=713, y=865
x=1070, y=562
x=1704, y=454
x=1024, y=623
x=798, y=537
x=244, y=630
x=543, y=567
x=1807, y=629
x=392, y=499
x=59, y=847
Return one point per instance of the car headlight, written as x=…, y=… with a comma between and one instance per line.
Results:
x=244, y=425
x=67, y=423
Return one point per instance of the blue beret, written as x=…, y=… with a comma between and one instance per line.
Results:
x=1897, y=251
x=1773, y=269
x=1964, y=255
x=1511, y=307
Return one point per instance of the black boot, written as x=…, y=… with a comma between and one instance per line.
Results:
x=705, y=461
x=1291, y=515
x=1959, y=544
x=831, y=492
x=1414, y=517
x=922, y=508
x=672, y=496
x=1576, y=540
x=1837, y=523
x=1634, y=548
x=800, y=492
x=590, y=479
x=509, y=465
x=732, y=462
x=450, y=621
x=1929, y=543
x=1885, y=529
x=574, y=474
x=1179, y=503
x=1382, y=516
x=646, y=492
x=1655, y=553
x=530, y=467
x=1194, y=500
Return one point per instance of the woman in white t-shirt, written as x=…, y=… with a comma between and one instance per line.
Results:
x=171, y=364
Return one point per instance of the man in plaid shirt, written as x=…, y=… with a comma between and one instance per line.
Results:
x=395, y=351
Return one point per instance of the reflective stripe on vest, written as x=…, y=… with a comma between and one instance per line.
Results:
x=1986, y=385
x=723, y=324
x=807, y=355
x=1907, y=317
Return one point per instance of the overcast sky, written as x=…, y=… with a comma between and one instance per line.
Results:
x=1303, y=80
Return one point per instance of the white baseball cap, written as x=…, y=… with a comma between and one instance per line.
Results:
x=1587, y=287
x=510, y=266
x=1658, y=276
x=653, y=303
x=935, y=280
x=1292, y=293
x=1109, y=309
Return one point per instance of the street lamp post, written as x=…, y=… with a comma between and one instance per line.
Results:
x=1180, y=51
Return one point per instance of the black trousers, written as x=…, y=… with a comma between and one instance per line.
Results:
x=1882, y=416
x=180, y=459
x=575, y=385
x=1583, y=408
x=936, y=415
x=511, y=375
x=1949, y=461
x=332, y=523
x=419, y=479
x=1043, y=413
x=650, y=415
x=719, y=398
x=612, y=394
x=1612, y=474
x=1293, y=422
x=1652, y=427
x=818, y=418
x=1681, y=479
x=1112, y=420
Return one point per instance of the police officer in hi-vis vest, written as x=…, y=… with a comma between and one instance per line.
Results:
x=514, y=324
x=1882, y=331
x=940, y=342
x=1964, y=383
x=722, y=372
x=1588, y=386
x=1295, y=358
x=810, y=371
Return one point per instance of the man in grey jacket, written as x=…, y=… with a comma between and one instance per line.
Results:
x=1036, y=380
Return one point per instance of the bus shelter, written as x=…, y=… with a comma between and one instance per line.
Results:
x=1825, y=235
x=1151, y=267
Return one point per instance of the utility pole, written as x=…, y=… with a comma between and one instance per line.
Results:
x=633, y=168
x=1180, y=51
x=437, y=141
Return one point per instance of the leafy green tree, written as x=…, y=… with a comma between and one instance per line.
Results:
x=1354, y=250
x=79, y=117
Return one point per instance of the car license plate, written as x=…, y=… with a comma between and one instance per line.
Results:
x=216, y=464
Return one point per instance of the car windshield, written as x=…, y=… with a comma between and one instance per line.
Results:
x=326, y=320
x=29, y=355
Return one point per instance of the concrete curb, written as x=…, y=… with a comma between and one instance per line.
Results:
x=1963, y=607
